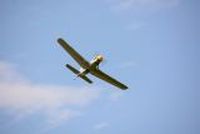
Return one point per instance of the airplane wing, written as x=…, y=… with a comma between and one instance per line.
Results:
x=76, y=56
x=98, y=73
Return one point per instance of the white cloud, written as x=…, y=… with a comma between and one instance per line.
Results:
x=8, y=73
x=101, y=125
x=54, y=102
x=24, y=95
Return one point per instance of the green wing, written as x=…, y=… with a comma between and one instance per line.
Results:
x=75, y=55
x=98, y=73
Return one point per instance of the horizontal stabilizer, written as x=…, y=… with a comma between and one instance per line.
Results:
x=72, y=69
x=77, y=72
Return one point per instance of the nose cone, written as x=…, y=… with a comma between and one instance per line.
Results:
x=100, y=57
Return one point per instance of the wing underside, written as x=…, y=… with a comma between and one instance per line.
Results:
x=98, y=73
x=76, y=56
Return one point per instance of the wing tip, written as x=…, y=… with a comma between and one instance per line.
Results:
x=60, y=40
x=124, y=88
x=90, y=82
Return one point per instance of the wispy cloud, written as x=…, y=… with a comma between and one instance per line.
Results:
x=135, y=26
x=138, y=12
x=54, y=102
x=101, y=125
x=115, y=96
x=139, y=5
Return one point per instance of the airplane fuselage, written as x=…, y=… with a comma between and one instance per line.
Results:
x=94, y=64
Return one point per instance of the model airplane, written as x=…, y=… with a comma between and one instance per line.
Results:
x=89, y=67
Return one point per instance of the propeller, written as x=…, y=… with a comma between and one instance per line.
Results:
x=104, y=61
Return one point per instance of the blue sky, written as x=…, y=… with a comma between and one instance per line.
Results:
x=150, y=45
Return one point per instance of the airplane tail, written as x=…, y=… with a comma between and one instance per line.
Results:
x=75, y=71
